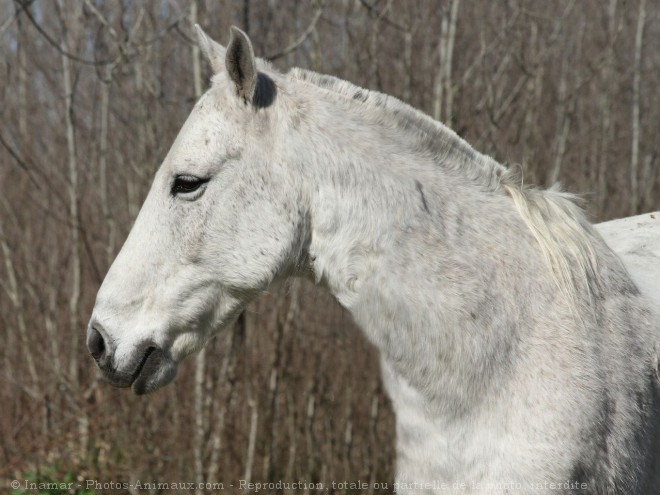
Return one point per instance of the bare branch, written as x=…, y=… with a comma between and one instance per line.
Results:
x=380, y=16
x=15, y=15
x=51, y=41
x=301, y=39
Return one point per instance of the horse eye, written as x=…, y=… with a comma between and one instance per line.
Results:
x=187, y=184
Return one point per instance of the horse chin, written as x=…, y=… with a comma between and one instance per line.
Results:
x=158, y=370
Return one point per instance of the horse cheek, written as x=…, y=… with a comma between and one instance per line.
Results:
x=253, y=251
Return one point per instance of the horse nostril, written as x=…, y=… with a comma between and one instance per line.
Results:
x=95, y=343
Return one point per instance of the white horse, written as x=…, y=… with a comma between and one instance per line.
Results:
x=518, y=354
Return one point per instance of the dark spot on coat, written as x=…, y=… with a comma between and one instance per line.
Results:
x=264, y=92
x=418, y=185
x=579, y=474
x=360, y=96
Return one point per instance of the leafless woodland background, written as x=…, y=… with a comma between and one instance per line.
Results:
x=93, y=94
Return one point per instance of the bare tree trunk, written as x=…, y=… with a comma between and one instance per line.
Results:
x=22, y=85
x=373, y=44
x=606, y=111
x=252, y=440
x=282, y=331
x=443, y=91
x=649, y=178
x=533, y=105
x=103, y=172
x=134, y=173
x=200, y=359
x=14, y=293
x=50, y=313
x=293, y=442
x=49, y=319
x=196, y=61
x=74, y=217
x=563, y=125
x=273, y=389
x=373, y=421
x=439, y=84
x=70, y=33
x=226, y=370
x=200, y=437
x=567, y=104
x=309, y=435
x=634, y=154
x=348, y=432
x=407, y=64
x=449, y=55
x=216, y=440
x=246, y=16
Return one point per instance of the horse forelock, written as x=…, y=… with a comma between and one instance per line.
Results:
x=557, y=222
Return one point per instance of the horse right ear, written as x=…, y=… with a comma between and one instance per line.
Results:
x=241, y=64
x=212, y=50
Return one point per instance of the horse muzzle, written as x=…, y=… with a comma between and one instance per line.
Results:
x=148, y=368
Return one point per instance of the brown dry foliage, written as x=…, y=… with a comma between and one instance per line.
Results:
x=567, y=90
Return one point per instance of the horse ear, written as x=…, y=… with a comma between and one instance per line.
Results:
x=240, y=64
x=212, y=50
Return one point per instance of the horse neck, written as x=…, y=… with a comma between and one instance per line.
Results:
x=408, y=248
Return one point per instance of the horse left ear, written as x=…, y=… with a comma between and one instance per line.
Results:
x=241, y=65
x=212, y=50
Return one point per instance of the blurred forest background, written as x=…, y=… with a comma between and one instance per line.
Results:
x=93, y=94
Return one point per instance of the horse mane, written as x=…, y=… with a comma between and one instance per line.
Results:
x=555, y=218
